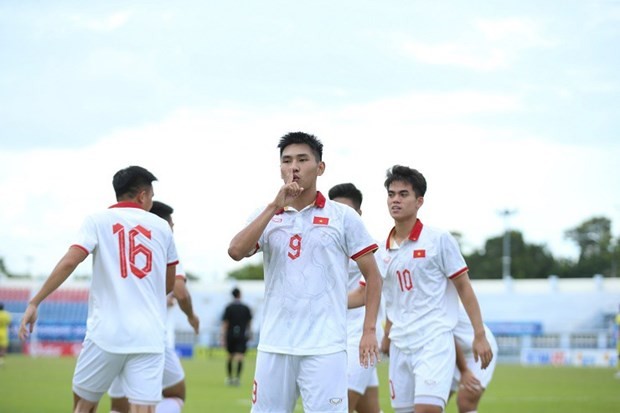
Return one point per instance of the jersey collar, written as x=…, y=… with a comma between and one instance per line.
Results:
x=126, y=204
x=319, y=202
x=414, y=235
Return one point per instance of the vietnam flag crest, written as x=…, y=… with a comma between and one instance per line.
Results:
x=419, y=253
x=320, y=221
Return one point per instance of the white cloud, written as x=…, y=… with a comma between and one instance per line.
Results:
x=106, y=23
x=492, y=44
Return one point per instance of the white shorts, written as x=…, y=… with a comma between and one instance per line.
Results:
x=173, y=374
x=96, y=369
x=485, y=375
x=359, y=377
x=280, y=379
x=424, y=374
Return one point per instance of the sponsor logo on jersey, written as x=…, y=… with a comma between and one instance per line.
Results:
x=335, y=401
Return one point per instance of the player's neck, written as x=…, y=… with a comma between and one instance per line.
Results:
x=307, y=197
x=402, y=229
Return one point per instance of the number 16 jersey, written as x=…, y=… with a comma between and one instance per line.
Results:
x=131, y=250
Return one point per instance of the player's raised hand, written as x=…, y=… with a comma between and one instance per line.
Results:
x=369, y=349
x=482, y=351
x=289, y=191
x=28, y=320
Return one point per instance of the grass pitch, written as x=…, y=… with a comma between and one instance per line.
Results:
x=43, y=385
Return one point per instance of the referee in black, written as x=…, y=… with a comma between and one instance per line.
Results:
x=235, y=333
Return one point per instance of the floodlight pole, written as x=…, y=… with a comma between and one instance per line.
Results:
x=506, y=259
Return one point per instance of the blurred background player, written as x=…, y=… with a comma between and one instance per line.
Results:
x=470, y=380
x=236, y=331
x=5, y=322
x=173, y=383
x=363, y=383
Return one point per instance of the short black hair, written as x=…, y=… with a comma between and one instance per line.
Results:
x=349, y=191
x=162, y=210
x=405, y=174
x=236, y=292
x=128, y=182
x=301, y=137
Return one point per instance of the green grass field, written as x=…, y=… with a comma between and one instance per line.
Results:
x=43, y=385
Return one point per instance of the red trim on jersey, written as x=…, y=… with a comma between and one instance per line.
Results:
x=126, y=204
x=414, y=235
x=173, y=263
x=81, y=247
x=416, y=230
x=319, y=202
x=371, y=248
x=363, y=283
x=459, y=272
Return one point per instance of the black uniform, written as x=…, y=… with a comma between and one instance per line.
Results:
x=238, y=316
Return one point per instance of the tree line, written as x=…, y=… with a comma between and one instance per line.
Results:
x=599, y=253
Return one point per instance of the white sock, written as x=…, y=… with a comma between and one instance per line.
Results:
x=170, y=405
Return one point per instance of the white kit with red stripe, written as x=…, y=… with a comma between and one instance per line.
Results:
x=131, y=250
x=420, y=300
x=306, y=256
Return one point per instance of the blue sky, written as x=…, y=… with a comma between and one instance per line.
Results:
x=501, y=105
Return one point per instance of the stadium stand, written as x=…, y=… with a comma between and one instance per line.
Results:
x=540, y=321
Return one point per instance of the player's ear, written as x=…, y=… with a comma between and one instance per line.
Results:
x=320, y=168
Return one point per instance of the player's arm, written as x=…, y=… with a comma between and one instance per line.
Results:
x=385, y=341
x=468, y=380
x=245, y=241
x=181, y=293
x=357, y=297
x=481, y=347
x=65, y=267
x=223, y=333
x=171, y=271
x=369, y=348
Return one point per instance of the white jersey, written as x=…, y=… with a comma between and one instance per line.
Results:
x=306, y=255
x=464, y=333
x=170, y=324
x=131, y=250
x=355, y=316
x=420, y=300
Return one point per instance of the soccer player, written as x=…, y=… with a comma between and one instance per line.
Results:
x=425, y=275
x=236, y=330
x=174, y=377
x=307, y=242
x=134, y=261
x=363, y=383
x=5, y=322
x=470, y=380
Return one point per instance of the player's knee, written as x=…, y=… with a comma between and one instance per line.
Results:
x=468, y=401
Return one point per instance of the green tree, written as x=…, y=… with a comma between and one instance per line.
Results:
x=248, y=272
x=598, y=251
x=527, y=260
